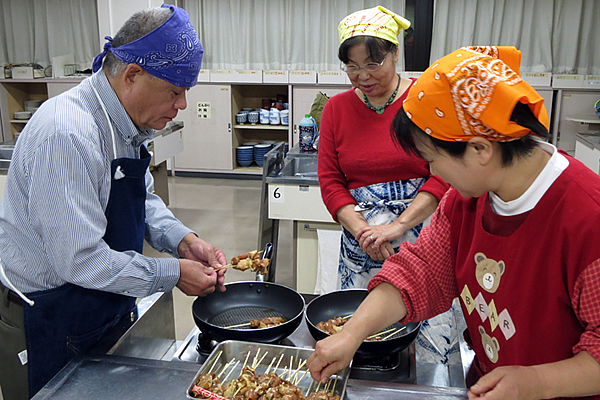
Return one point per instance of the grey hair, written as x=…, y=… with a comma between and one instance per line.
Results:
x=137, y=26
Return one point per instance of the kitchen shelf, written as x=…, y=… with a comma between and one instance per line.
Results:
x=261, y=127
x=19, y=121
x=587, y=118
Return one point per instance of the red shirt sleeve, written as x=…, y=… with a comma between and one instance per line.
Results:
x=435, y=186
x=423, y=271
x=586, y=303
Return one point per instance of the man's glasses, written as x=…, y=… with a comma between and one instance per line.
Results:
x=353, y=69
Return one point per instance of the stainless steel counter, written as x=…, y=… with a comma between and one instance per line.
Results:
x=139, y=366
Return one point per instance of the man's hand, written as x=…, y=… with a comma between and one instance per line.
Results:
x=198, y=278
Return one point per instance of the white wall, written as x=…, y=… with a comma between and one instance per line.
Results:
x=113, y=13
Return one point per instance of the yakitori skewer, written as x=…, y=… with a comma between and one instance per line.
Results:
x=393, y=333
x=245, y=361
x=382, y=333
x=269, y=367
x=232, y=369
x=277, y=366
x=215, y=363
x=237, y=326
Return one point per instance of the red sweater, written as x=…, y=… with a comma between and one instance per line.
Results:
x=356, y=149
x=529, y=284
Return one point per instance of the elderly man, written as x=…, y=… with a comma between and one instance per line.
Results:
x=77, y=205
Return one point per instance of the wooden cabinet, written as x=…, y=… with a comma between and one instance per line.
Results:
x=15, y=92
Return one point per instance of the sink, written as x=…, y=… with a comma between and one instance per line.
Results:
x=300, y=167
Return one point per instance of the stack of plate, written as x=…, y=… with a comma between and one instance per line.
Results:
x=259, y=152
x=244, y=155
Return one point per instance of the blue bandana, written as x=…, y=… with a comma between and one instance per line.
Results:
x=171, y=52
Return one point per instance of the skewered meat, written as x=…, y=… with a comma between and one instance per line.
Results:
x=249, y=386
x=336, y=324
x=266, y=322
x=250, y=261
x=332, y=326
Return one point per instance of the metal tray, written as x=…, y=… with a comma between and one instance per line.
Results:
x=232, y=349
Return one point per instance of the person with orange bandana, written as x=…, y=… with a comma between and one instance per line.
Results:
x=515, y=238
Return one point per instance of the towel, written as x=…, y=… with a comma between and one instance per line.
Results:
x=329, y=255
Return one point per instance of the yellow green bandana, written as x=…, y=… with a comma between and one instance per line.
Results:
x=377, y=22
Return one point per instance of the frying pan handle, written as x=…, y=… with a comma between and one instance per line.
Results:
x=265, y=254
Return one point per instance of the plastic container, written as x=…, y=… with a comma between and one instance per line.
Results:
x=308, y=132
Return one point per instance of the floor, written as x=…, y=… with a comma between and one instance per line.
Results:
x=224, y=212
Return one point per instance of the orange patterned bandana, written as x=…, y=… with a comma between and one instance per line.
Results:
x=472, y=92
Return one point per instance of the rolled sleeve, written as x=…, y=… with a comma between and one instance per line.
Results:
x=586, y=303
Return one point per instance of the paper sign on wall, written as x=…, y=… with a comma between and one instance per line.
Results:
x=203, y=109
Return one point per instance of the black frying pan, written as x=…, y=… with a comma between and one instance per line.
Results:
x=343, y=303
x=243, y=301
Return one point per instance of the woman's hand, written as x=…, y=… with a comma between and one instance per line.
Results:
x=375, y=240
x=507, y=383
x=332, y=354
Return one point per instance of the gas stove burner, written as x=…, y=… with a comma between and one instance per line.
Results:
x=206, y=344
x=386, y=363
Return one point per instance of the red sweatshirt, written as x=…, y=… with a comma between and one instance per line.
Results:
x=356, y=149
x=529, y=284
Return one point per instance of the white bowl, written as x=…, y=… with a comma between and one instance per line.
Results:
x=23, y=115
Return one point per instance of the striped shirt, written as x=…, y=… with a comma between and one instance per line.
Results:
x=52, y=215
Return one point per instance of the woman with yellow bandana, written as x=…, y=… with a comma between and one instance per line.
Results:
x=516, y=238
x=380, y=194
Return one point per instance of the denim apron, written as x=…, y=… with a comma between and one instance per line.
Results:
x=70, y=319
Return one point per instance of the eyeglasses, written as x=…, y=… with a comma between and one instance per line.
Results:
x=353, y=69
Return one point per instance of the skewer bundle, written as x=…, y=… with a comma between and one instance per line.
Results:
x=250, y=385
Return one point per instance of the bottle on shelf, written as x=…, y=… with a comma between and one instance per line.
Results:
x=308, y=133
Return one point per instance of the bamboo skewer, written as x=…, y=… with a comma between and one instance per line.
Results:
x=215, y=363
x=237, y=326
x=232, y=369
x=277, y=366
x=393, y=333
x=381, y=333
x=334, y=382
x=269, y=367
x=261, y=359
x=300, y=380
x=309, y=387
x=245, y=361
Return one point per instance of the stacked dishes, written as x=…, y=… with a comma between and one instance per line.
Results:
x=259, y=152
x=244, y=155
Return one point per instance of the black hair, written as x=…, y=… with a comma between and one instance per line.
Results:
x=377, y=48
x=404, y=132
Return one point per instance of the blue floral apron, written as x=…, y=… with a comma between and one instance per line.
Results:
x=380, y=204
x=70, y=319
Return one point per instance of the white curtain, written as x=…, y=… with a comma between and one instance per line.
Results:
x=34, y=31
x=275, y=35
x=553, y=35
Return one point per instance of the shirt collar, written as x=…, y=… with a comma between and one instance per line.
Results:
x=528, y=200
x=122, y=123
